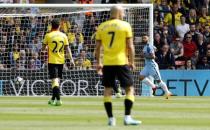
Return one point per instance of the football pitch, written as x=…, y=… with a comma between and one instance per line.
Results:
x=87, y=113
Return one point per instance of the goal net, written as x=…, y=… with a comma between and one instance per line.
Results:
x=22, y=29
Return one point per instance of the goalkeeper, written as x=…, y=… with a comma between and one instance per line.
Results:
x=56, y=42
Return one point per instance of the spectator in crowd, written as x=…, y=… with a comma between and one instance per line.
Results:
x=181, y=8
x=73, y=32
x=204, y=19
x=1, y=66
x=82, y=62
x=86, y=64
x=157, y=19
x=89, y=53
x=195, y=58
x=189, y=46
x=203, y=63
x=193, y=32
x=22, y=59
x=188, y=65
x=3, y=55
x=33, y=26
x=15, y=54
x=4, y=39
x=192, y=18
x=68, y=65
x=173, y=18
x=36, y=62
x=31, y=64
x=45, y=65
x=163, y=8
x=166, y=38
x=157, y=41
x=78, y=64
x=183, y=28
x=77, y=45
x=19, y=65
x=89, y=26
x=11, y=36
x=208, y=55
x=177, y=49
x=201, y=45
x=65, y=24
x=165, y=58
x=206, y=33
x=35, y=45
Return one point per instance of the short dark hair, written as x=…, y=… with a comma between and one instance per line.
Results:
x=55, y=23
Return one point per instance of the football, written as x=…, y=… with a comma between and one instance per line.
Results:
x=19, y=80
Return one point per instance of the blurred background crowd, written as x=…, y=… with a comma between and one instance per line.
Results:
x=21, y=41
x=181, y=36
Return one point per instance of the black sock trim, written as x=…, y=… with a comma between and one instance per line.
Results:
x=108, y=108
x=128, y=105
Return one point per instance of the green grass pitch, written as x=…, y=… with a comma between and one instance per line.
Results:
x=87, y=113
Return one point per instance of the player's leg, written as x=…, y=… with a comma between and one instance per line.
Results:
x=108, y=82
x=56, y=91
x=55, y=72
x=56, y=86
x=157, y=77
x=52, y=74
x=126, y=79
x=165, y=88
x=144, y=78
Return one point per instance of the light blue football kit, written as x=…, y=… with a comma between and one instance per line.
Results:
x=151, y=67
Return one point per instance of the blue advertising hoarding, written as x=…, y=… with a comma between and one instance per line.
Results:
x=186, y=82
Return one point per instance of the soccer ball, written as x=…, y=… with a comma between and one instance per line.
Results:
x=19, y=80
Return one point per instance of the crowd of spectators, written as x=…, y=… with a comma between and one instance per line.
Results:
x=182, y=34
x=21, y=41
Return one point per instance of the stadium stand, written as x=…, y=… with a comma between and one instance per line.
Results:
x=174, y=20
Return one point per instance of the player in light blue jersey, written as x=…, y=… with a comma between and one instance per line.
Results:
x=151, y=68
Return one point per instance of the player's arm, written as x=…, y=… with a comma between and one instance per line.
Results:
x=131, y=52
x=68, y=51
x=98, y=50
x=130, y=46
x=98, y=54
x=151, y=54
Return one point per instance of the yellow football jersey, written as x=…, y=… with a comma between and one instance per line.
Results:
x=56, y=41
x=204, y=20
x=168, y=18
x=86, y=64
x=113, y=34
x=16, y=55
